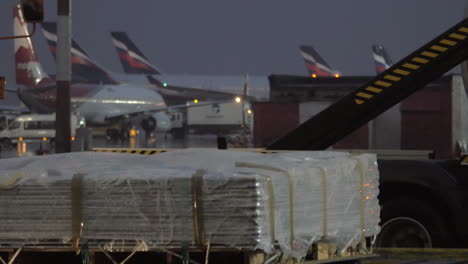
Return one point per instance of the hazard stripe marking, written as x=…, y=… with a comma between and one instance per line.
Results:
x=365, y=95
x=439, y=48
x=358, y=101
x=429, y=54
x=448, y=42
x=373, y=89
x=411, y=66
x=382, y=83
x=463, y=29
x=392, y=78
x=457, y=36
x=401, y=72
x=420, y=60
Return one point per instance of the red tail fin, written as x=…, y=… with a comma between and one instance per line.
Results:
x=29, y=72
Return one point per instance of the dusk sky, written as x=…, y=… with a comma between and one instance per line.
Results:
x=245, y=36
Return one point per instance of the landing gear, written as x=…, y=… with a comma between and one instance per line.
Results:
x=149, y=125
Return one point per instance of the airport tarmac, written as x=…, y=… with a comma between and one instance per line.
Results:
x=159, y=140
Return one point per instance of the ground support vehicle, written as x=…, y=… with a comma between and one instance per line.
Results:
x=216, y=118
x=35, y=128
x=424, y=202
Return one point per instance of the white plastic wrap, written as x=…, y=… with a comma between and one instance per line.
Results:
x=243, y=200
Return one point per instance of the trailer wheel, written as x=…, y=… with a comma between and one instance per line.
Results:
x=407, y=223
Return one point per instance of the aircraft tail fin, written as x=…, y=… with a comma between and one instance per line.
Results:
x=29, y=71
x=83, y=67
x=132, y=59
x=381, y=59
x=315, y=64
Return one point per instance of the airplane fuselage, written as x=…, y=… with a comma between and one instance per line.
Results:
x=97, y=103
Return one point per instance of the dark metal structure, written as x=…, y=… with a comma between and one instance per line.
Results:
x=380, y=93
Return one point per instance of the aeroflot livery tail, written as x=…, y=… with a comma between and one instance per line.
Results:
x=132, y=59
x=83, y=68
x=381, y=59
x=315, y=64
x=211, y=87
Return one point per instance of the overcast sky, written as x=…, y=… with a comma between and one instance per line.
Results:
x=245, y=36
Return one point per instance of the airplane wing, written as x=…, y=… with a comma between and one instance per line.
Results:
x=190, y=94
x=123, y=115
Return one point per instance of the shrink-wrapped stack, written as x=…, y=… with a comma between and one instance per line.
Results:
x=230, y=199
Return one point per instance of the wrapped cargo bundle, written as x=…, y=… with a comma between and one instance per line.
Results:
x=229, y=199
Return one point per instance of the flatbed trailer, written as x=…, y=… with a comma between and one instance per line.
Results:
x=423, y=202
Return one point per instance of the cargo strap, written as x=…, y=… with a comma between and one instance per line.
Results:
x=291, y=191
x=77, y=209
x=362, y=168
x=325, y=201
x=197, y=208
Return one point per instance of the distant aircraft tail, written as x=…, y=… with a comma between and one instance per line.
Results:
x=83, y=67
x=132, y=59
x=29, y=72
x=315, y=64
x=381, y=59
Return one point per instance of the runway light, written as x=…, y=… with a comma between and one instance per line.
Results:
x=238, y=99
x=337, y=75
x=44, y=139
x=195, y=101
x=314, y=75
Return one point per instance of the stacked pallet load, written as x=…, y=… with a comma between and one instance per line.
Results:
x=228, y=199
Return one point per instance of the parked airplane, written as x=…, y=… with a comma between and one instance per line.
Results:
x=84, y=67
x=135, y=63
x=132, y=59
x=100, y=104
x=381, y=59
x=315, y=64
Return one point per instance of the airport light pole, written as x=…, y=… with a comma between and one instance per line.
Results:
x=62, y=113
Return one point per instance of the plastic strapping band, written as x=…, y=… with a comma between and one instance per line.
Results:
x=77, y=209
x=361, y=197
x=271, y=204
x=197, y=208
x=325, y=202
x=291, y=196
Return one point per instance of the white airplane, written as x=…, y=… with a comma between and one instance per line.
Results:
x=100, y=104
x=86, y=69
x=135, y=63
